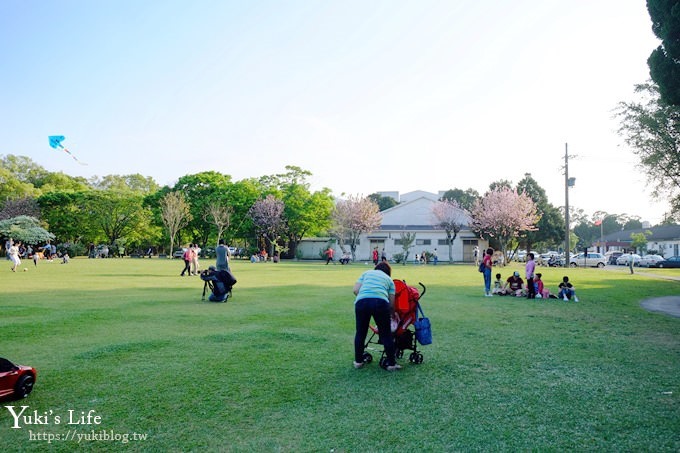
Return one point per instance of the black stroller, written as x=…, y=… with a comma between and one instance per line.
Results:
x=407, y=300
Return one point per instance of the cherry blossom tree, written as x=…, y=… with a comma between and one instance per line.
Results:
x=353, y=217
x=269, y=221
x=504, y=214
x=450, y=217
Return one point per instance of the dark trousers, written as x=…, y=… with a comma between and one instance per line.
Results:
x=187, y=267
x=531, y=289
x=379, y=309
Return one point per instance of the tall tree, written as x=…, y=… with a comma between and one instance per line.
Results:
x=465, y=198
x=449, y=216
x=664, y=62
x=353, y=217
x=269, y=221
x=117, y=214
x=550, y=224
x=200, y=190
x=382, y=201
x=503, y=214
x=175, y=212
x=652, y=130
x=220, y=216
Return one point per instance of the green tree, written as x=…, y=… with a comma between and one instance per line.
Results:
x=25, y=229
x=118, y=214
x=200, y=190
x=382, y=201
x=664, y=62
x=639, y=240
x=65, y=213
x=550, y=225
x=465, y=198
x=124, y=183
x=652, y=130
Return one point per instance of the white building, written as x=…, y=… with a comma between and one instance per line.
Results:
x=413, y=214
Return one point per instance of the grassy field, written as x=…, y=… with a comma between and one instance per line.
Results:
x=271, y=370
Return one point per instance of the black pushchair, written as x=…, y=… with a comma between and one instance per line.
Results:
x=407, y=300
x=220, y=283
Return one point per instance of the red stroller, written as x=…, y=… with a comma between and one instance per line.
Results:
x=406, y=300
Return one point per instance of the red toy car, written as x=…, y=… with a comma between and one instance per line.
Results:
x=16, y=380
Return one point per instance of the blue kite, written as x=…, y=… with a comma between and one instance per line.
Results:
x=55, y=142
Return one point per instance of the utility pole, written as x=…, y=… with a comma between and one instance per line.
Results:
x=566, y=206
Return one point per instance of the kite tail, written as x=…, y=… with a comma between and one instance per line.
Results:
x=70, y=154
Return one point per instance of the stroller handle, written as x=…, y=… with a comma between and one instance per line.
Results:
x=424, y=289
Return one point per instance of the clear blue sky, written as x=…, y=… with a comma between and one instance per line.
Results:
x=367, y=95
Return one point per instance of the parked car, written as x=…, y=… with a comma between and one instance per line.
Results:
x=588, y=260
x=612, y=257
x=624, y=260
x=16, y=381
x=650, y=260
x=179, y=253
x=673, y=261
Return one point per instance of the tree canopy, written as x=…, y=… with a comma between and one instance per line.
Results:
x=664, y=62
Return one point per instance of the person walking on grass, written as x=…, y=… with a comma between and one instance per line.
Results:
x=375, y=293
x=488, y=266
x=329, y=255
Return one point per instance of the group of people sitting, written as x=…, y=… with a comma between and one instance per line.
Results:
x=514, y=286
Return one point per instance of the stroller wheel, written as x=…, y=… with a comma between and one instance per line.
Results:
x=400, y=353
x=419, y=358
x=412, y=357
x=368, y=358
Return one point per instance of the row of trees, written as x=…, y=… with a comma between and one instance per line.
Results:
x=132, y=212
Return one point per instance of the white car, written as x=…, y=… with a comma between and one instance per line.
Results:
x=624, y=260
x=588, y=260
x=650, y=260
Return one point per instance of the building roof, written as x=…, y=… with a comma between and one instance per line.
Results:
x=659, y=233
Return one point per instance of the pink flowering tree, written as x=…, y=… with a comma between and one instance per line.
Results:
x=353, y=217
x=504, y=214
x=267, y=216
x=450, y=217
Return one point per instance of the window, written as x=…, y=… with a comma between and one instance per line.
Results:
x=423, y=241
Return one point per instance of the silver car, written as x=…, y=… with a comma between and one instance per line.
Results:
x=588, y=260
x=650, y=260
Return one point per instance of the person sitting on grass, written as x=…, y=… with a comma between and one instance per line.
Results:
x=567, y=290
x=541, y=291
x=498, y=286
x=514, y=285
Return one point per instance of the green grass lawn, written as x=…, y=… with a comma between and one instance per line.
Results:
x=271, y=370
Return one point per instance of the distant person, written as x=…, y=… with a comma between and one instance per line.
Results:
x=529, y=269
x=187, y=257
x=329, y=255
x=14, y=256
x=195, y=267
x=488, y=265
x=375, y=256
x=475, y=255
x=435, y=257
x=383, y=255
x=345, y=258
x=222, y=256
x=566, y=290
